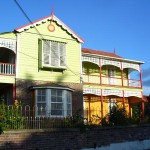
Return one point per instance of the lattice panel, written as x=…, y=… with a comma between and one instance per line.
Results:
x=91, y=59
x=110, y=62
x=107, y=92
x=8, y=43
x=132, y=93
x=92, y=91
x=131, y=65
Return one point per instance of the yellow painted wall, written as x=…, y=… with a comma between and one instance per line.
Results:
x=7, y=79
x=28, y=55
x=92, y=108
x=10, y=35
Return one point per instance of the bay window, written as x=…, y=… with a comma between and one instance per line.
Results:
x=53, y=102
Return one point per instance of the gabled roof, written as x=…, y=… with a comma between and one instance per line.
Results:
x=48, y=18
x=97, y=52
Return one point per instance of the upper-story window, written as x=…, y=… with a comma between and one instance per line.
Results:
x=53, y=54
x=111, y=76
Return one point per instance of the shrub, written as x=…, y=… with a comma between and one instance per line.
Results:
x=10, y=117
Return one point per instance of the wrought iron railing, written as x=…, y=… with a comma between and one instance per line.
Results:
x=114, y=81
x=23, y=117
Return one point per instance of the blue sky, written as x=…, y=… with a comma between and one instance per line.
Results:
x=103, y=24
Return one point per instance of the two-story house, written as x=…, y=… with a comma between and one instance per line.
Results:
x=43, y=65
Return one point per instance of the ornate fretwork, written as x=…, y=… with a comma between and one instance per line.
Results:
x=107, y=92
x=110, y=62
x=130, y=65
x=92, y=91
x=8, y=43
x=91, y=59
x=132, y=93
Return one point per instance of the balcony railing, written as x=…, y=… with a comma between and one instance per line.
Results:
x=114, y=81
x=7, y=69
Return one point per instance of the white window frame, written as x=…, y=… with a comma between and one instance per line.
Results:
x=60, y=46
x=111, y=103
x=48, y=102
x=111, y=72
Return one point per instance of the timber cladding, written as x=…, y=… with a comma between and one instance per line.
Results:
x=71, y=139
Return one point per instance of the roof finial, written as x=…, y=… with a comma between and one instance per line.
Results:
x=114, y=50
x=52, y=13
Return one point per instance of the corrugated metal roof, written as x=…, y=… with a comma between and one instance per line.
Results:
x=97, y=52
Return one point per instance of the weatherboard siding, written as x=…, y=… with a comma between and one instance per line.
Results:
x=7, y=79
x=28, y=55
x=9, y=35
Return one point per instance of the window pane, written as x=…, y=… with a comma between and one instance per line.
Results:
x=59, y=99
x=53, y=99
x=56, y=105
x=57, y=112
x=53, y=92
x=41, y=109
x=62, y=54
x=41, y=95
x=57, y=109
x=54, y=54
x=59, y=92
x=68, y=97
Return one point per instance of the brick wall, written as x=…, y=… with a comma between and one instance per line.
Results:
x=25, y=94
x=71, y=139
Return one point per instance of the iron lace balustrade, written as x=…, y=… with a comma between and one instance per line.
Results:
x=7, y=69
x=115, y=81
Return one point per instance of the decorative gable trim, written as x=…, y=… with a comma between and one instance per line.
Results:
x=50, y=18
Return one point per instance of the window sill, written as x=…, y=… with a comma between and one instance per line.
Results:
x=54, y=68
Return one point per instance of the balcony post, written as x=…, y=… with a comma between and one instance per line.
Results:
x=123, y=102
x=14, y=92
x=140, y=76
x=121, y=73
x=100, y=71
x=101, y=98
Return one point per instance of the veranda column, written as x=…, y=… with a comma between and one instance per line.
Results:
x=123, y=102
x=14, y=92
x=102, y=115
x=143, y=107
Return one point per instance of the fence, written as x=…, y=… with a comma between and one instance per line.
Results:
x=24, y=117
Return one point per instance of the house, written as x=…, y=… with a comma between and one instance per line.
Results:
x=43, y=65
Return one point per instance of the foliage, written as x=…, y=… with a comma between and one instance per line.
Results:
x=117, y=117
x=11, y=117
x=147, y=111
x=76, y=120
x=136, y=113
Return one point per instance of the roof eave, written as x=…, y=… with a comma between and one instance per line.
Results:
x=51, y=17
x=117, y=58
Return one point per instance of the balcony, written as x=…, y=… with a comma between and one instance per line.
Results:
x=113, y=81
x=7, y=69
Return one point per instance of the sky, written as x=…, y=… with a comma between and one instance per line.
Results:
x=123, y=25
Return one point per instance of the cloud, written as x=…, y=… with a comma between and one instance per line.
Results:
x=146, y=82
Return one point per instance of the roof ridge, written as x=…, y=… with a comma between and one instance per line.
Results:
x=50, y=17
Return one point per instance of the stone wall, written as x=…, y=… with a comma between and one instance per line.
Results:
x=71, y=139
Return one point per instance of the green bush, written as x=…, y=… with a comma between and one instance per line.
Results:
x=118, y=117
x=10, y=117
